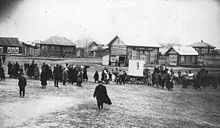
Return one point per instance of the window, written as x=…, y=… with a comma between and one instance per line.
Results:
x=17, y=50
x=204, y=51
x=182, y=59
x=1, y=49
x=112, y=59
x=9, y=50
x=13, y=50
x=141, y=53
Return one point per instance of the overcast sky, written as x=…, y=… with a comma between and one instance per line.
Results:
x=156, y=21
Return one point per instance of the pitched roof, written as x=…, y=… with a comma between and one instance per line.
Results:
x=84, y=42
x=163, y=50
x=9, y=41
x=184, y=50
x=135, y=41
x=202, y=44
x=55, y=40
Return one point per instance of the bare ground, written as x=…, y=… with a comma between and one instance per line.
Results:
x=133, y=105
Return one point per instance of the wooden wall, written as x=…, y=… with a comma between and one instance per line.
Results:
x=57, y=51
x=118, y=48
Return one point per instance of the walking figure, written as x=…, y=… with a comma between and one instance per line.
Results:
x=101, y=96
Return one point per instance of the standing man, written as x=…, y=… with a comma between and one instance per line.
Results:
x=56, y=75
x=43, y=78
x=101, y=95
x=85, y=76
x=22, y=82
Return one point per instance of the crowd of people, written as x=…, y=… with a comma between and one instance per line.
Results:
x=161, y=77
x=200, y=80
x=117, y=76
x=59, y=73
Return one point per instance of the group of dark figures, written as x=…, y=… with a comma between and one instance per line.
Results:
x=200, y=80
x=68, y=73
x=163, y=77
x=107, y=76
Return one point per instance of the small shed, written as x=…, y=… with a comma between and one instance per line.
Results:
x=10, y=45
x=57, y=47
x=181, y=56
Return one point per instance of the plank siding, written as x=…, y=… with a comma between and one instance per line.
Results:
x=118, y=48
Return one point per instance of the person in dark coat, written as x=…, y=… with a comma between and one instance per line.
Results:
x=101, y=95
x=31, y=69
x=56, y=75
x=43, y=78
x=22, y=83
x=123, y=77
x=16, y=69
x=70, y=74
x=96, y=76
x=2, y=73
x=10, y=69
x=85, y=76
x=75, y=71
x=49, y=73
x=196, y=81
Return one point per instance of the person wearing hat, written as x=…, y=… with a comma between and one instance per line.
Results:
x=101, y=95
x=22, y=82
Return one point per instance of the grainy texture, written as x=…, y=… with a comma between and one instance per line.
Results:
x=133, y=106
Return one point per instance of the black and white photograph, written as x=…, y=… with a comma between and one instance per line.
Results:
x=109, y=63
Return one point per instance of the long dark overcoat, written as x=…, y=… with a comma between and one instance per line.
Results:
x=101, y=95
x=22, y=82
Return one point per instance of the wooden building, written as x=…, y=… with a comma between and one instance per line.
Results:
x=93, y=49
x=10, y=46
x=121, y=51
x=31, y=48
x=203, y=48
x=181, y=56
x=57, y=47
x=80, y=52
